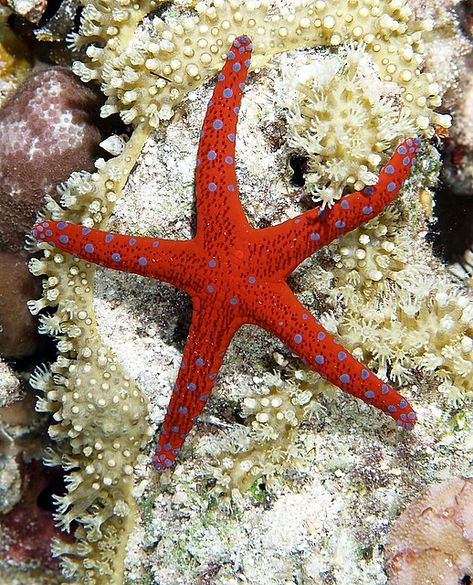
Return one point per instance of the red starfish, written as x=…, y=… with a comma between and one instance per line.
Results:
x=236, y=274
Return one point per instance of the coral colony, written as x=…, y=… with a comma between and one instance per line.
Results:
x=236, y=274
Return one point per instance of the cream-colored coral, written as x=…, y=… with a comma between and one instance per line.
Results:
x=276, y=411
x=446, y=45
x=345, y=119
x=432, y=541
x=147, y=76
x=373, y=254
x=99, y=414
x=397, y=314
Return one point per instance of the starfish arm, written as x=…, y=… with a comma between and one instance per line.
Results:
x=296, y=239
x=215, y=178
x=211, y=331
x=284, y=316
x=153, y=257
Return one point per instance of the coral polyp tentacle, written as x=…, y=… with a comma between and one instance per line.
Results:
x=236, y=274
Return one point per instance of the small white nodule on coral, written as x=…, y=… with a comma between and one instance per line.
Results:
x=432, y=541
x=344, y=118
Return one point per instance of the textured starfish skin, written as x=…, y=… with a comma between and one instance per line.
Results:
x=237, y=274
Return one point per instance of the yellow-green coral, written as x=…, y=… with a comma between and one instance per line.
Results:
x=397, y=314
x=90, y=397
x=276, y=411
x=147, y=76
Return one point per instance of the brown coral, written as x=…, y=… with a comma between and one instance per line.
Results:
x=47, y=131
x=432, y=541
x=26, y=532
x=18, y=336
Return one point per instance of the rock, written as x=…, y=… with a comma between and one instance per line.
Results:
x=432, y=540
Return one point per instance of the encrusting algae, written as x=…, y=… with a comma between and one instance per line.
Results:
x=146, y=67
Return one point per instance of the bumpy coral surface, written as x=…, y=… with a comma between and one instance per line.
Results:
x=147, y=77
x=100, y=415
x=47, y=130
x=275, y=411
x=432, y=541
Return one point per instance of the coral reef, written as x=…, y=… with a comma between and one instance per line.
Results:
x=432, y=540
x=344, y=119
x=356, y=476
x=147, y=78
x=448, y=37
x=241, y=257
x=90, y=397
x=409, y=320
x=275, y=411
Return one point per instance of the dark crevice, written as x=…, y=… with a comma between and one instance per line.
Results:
x=465, y=580
x=181, y=330
x=298, y=164
x=452, y=232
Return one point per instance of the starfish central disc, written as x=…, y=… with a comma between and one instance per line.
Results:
x=236, y=274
